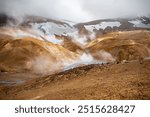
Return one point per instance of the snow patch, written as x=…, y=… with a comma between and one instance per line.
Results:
x=52, y=28
x=138, y=23
x=102, y=25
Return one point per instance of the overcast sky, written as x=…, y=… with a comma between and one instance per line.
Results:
x=76, y=10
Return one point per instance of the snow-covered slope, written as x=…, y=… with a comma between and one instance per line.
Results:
x=81, y=33
x=139, y=23
x=51, y=28
x=102, y=25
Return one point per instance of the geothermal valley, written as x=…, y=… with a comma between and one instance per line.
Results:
x=42, y=58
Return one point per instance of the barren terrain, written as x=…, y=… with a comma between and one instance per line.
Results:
x=48, y=59
x=109, y=81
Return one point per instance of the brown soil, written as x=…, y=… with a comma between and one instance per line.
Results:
x=127, y=45
x=128, y=80
x=69, y=44
x=110, y=81
x=20, y=54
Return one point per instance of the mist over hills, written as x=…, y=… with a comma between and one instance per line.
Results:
x=76, y=10
x=82, y=40
x=38, y=52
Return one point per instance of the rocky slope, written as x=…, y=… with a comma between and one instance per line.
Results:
x=110, y=81
x=55, y=58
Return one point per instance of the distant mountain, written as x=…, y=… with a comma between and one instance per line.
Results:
x=106, y=25
x=65, y=27
x=3, y=19
x=83, y=32
x=111, y=25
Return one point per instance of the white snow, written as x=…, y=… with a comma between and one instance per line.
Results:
x=111, y=24
x=102, y=25
x=91, y=27
x=52, y=28
x=49, y=29
x=138, y=23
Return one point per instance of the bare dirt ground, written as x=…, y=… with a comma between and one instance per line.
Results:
x=93, y=82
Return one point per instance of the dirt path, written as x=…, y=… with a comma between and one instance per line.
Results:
x=113, y=81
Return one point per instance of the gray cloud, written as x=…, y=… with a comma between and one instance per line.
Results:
x=76, y=10
x=116, y=8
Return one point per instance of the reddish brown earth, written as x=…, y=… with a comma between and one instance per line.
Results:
x=110, y=81
x=126, y=80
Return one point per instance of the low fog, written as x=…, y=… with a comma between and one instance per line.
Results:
x=76, y=10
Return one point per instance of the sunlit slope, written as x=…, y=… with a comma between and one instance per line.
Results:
x=31, y=54
x=127, y=45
